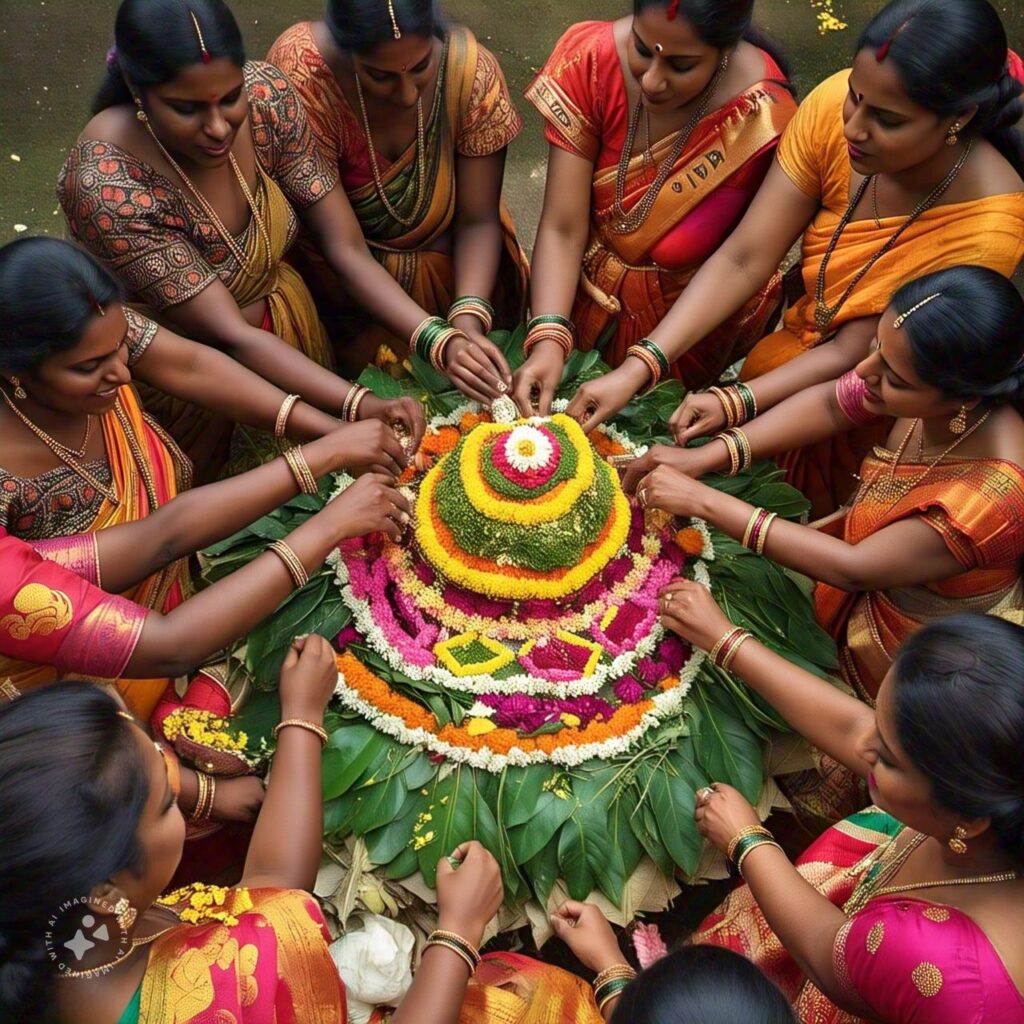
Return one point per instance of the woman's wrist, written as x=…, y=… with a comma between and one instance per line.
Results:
x=636, y=372
x=462, y=926
x=296, y=709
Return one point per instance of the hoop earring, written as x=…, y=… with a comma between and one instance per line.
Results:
x=953, y=134
x=140, y=114
x=958, y=844
x=958, y=424
x=19, y=392
x=125, y=914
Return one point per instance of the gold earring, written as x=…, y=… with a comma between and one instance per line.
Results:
x=958, y=844
x=19, y=392
x=140, y=114
x=953, y=134
x=958, y=424
x=125, y=914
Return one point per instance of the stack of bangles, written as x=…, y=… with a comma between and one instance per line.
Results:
x=458, y=945
x=292, y=563
x=301, y=723
x=653, y=358
x=756, y=534
x=350, y=407
x=550, y=327
x=282, y=415
x=203, y=810
x=741, y=456
x=430, y=340
x=473, y=305
x=747, y=840
x=723, y=653
x=738, y=403
x=300, y=470
x=611, y=982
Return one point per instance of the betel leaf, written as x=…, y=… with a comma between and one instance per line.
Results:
x=402, y=866
x=520, y=793
x=725, y=749
x=349, y=752
x=380, y=803
x=387, y=842
x=380, y=383
x=671, y=782
x=528, y=839
x=542, y=872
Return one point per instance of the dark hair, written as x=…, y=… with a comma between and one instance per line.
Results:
x=967, y=341
x=951, y=55
x=71, y=795
x=960, y=718
x=154, y=40
x=702, y=985
x=358, y=26
x=49, y=289
x=721, y=24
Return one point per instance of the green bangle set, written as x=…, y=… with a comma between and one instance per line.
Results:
x=473, y=305
x=603, y=994
x=656, y=351
x=748, y=844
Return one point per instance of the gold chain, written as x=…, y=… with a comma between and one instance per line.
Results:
x=66, y=455
x=893, y=490
x=421, y=146
x=261, y=229
x=638, y=214
x=824, y=314
x=94, y=972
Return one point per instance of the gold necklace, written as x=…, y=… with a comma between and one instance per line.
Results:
x=93, y=972
x=630, y=221
x=893, y=490
x=421, y=146
x=824, y=314
x=261, y=229
x=66, y=455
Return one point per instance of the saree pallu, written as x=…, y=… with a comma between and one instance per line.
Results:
x=623, y=292
x=53, y=614
x=418, y=256
x=290, y=313
x=977, y=506
x=147, y=471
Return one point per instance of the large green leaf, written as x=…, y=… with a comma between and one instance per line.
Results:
x=725, y=749
x=349, y=752
x=380, y=383
x=520, y=793
x=387, y=842
x=528, y=839
x=671, y=784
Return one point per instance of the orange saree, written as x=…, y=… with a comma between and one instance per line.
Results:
x=977, y=506
x=985, y=232
x=146, y=470
x=472, y=116
x=630, y=279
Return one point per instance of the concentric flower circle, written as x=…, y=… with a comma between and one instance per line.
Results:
x=528, y=448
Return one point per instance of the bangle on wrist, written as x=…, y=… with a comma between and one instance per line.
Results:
x=743, y=834
x=301, y=723
x=473, y=305
x=755, y=536
x=550, y=327
x=747, y=846
x=650, y=361
x=292, y=563
x=353, y=398
x=281, y=422
x=300, y=470
x=722, y=654
x=205, y=795
x=463, y=948
x=611, y=982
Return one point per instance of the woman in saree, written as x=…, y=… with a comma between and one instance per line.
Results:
x=661, y=129
x=907, y=912
x=189, y=184
x=417, y=117
x=254, y=954
x=78, y=455
x=937, y=525
x=906, y=163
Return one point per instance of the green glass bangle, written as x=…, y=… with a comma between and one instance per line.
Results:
x=750, y=841
x=551, y=318
x=748, y=848
x=428, y=337
x=748, y=399
x=655, y=351
x=610, y=989
x=469, y=300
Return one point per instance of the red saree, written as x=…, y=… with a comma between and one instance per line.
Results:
x=630, y=280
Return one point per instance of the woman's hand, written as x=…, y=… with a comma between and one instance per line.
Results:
x=403, y=415
x=722, y=813
x=673, y=491
x=238, y=799
x=475, y=365
x=600, y=399
x=700, y=415
x=586, y=931
x=372, y=504
x=686, y=460
x=535, y=382
x=309, y=676
x=468, y=895
x=687, y=608
x=370, y=444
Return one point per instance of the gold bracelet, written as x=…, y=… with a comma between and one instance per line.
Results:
x=622, y=970
x=754, y=517
x=282, y=415
x=205, y=796
x=300, y=470
x=762, y=536
x=471, y=951
x=750, y=830
x=730, y=655
x=292, y=563
x=732, y=447
x=452, y=948
x=751, y=848
x=722, y=641
x=301, y=723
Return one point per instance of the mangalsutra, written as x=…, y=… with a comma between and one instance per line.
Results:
x=630, y=221
x=824, y=314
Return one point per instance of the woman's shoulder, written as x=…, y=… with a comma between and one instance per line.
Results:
x=593, y=38
x=107, y=144
x=988, y=173
x=295, y=51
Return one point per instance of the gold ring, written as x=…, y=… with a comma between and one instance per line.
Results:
x=641, y=497
x=705, y=794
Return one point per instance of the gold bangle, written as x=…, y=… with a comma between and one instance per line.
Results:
x=762, y=535
x=452, y=948
x=713, y=653
x=301, y=723
x=622, y=970
x=205, y=796
x=732, y=447
x=300, y=470
x=282, y=415
x=750, y=830
x=750, y=849
x=292, y=563
x=471, y=951
x=754, y=516
x=729, y=657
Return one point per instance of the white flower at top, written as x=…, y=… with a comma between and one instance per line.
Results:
x=527, y=448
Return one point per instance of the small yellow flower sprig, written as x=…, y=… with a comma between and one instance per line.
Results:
x=203, y=901
x=204, y=728
x=827, y=20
